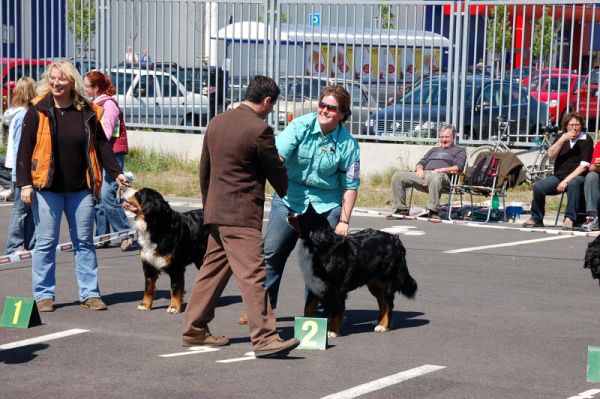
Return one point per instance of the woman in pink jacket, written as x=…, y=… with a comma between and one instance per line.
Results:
x=108, y=210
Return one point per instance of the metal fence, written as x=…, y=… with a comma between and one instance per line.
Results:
x=410, y=66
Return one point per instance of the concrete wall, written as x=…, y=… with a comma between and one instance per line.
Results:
x=375, y=157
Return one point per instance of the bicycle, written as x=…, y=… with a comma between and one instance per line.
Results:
x=542, y=166
x=497, y=143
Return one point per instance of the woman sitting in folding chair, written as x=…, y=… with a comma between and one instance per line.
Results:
x=572, y=153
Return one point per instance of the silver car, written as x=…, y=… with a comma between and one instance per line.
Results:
x=153, y=97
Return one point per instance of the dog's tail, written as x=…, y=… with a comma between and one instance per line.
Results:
x=405, y=284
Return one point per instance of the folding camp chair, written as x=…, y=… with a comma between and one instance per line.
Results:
x=491, y=190
x=454, y=179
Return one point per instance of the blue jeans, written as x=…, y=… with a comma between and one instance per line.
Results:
x=548, y=186
x=280, y=240
x=591, y=189
x=21, y=228
x=78, y=208
x=108, y=211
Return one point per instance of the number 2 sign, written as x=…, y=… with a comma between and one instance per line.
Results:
x=311, y=332
x=20, y=313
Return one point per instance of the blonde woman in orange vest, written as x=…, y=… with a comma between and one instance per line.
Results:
x=61, y=155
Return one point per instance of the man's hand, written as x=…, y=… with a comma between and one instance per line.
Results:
x=27, y=195
x=122, y=180
x=420, y=173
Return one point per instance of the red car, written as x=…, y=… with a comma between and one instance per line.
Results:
x=558, y=90
x=588, y=98
x=14, y=68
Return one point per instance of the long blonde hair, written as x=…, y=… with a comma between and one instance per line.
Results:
x=71, y=74
x=23, y=93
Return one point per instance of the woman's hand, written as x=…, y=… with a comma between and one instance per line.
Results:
x=27, y=195
x=122, y=180
x=342, y=229
x=562, y=186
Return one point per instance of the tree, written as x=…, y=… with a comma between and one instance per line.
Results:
x=499, y=30
x=386, y=16
x=81, y=15
x=545, y=35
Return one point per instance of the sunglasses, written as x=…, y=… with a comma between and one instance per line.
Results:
x=328, y=106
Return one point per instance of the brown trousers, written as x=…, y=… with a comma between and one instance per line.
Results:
x=237, y=250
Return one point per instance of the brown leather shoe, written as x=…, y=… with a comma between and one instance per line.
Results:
x=45, y=305
x=276, y=348
x=208, y=340
x=243, y=320
x=94, y=303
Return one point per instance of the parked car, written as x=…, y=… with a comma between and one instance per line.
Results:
x=558, y=90
x=149, y=96
x=588, y=99
x=300, y=95
x=84, y=65
x=15, y=68
x=210, y=81
x=422, y=111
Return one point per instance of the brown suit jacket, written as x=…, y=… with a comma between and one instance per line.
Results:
x=238, y=156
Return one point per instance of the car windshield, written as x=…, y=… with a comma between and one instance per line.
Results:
x=426, y=93
x=594, y=78
x=554, y=84
x=299, y=89
x=121, y=80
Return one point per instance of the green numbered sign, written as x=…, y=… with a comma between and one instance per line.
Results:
x=593, y=364
x=311, y=332
x=20, y=313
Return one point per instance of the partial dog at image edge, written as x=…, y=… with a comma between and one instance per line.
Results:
x=592, y=258
x=169, y=241
x=341, y=264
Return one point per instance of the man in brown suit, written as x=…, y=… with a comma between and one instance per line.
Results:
x=238, y=156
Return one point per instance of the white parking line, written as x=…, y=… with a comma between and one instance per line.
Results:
x=589, y=394
x=193, y=350
x=247, y=356
x=506, y=244
x=43, y=338
x=384, y=382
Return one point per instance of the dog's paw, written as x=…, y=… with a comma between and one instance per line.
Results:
x=143, y=307
x=172, y=310
x=331, y=334
x=381, y=329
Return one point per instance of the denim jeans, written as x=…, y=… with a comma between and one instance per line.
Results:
x=280, y=240
x=78, y=208
x=21, y=228
x=591, y=188
x=108, y=211
x=548, y=186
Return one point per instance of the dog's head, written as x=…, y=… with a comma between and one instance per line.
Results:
x=305, y=223
x=592, y=258
x=144, y=204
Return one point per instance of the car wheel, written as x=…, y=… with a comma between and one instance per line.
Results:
x=192, y=120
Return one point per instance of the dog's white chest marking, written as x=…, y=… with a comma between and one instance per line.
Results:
x=148, y=248
x=315, y=284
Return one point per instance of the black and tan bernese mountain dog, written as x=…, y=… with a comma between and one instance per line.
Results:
x=341, y=264
x=169, y=241
x=592, y=258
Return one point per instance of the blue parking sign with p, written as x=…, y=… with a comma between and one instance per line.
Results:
x=314, y=19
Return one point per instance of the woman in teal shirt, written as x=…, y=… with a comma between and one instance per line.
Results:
x=323, y=165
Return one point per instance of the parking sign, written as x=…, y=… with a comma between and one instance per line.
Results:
x=314, y=19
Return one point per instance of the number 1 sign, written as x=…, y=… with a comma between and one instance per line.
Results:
x=311, y=332
x=20, y=313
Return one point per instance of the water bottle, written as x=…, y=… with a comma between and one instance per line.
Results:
x=495, y=206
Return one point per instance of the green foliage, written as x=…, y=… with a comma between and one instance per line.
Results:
x=151, y=161
x=545, y=35
x=387, y=17
x=499, y=30
x=82, y=20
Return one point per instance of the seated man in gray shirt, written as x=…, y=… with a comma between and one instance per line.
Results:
x=430, y=175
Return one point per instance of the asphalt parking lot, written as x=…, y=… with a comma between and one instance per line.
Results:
x=488, y=321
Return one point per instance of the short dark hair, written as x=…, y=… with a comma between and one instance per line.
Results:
x=572, y=115
x=341, y=95
x=261, y=87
